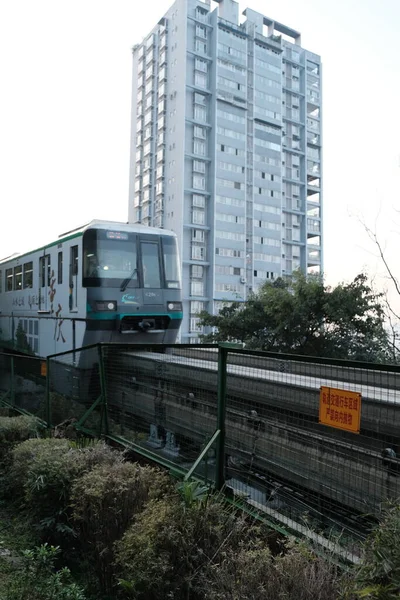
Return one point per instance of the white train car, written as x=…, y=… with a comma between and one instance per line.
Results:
x=103, y=282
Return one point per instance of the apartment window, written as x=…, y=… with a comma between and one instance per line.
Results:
x=198, y=235
x=230, y=235
x=201, y=32
x=201, y=47
x=227, y=287
x=199, y=166
x=230, y=167
x=236, y=185
x=229, y=252
x=197, y=271
x=200, y=79
x=199, y=132
x=200, y=99
x=231, y=67
x=230, y=201
x=201, y=65
x=200, y=113
x=227, y=218
x=197, y=288
x=231, y=133
x=229, y=83
x=199, y=183
x=196, y=306
x=199, y=148
x=195, y=323
x=198, y=217
x=199, y=201
x=28, y=275
x=198, y=253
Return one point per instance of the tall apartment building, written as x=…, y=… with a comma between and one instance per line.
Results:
x=226, y=149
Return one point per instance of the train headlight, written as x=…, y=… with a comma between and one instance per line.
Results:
x=174, y=306
x=110, y=305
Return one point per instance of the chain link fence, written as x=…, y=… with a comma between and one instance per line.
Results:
x=23, y=384
x=301, y=439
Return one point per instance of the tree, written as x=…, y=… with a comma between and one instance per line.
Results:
x=301, y=315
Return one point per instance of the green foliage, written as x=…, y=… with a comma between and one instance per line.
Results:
x=42, y=473
x=167, y=550
x=17, y=429
x=378, y=577
x=12, y=431
x=251, y=572
x=36, y=578
x=105, y=500
x=303, y=316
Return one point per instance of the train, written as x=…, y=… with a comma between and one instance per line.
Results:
x=102, y=282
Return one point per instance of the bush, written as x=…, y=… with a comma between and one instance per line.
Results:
x=104, y=501
x=36, y=578
x=166, y=551
x=42, y=474
x=14, y=430
x=251, y=572
x=378, y=577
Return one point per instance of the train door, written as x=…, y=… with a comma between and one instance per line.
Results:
x=73, y=278
x=44, y=282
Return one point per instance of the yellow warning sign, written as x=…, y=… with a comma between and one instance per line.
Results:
x=43, y=368
x=340, y=408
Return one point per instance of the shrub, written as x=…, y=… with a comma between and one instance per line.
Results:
x=43, y=471
x=167, y=549
x=104, y=501
x=18, y=429
x=36, y=578
x=14, y=430
x=378, y=576
x=251, y=572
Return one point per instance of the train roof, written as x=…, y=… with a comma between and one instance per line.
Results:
x=95, y=224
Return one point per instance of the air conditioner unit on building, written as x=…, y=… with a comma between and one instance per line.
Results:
x=243, y=280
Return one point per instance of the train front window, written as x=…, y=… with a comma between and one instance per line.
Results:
x=109, y=261
x=171, y=263
x=151, y=265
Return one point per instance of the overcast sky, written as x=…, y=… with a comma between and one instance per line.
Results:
x=65, y=93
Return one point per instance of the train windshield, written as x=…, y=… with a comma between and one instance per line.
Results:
x=126, y=260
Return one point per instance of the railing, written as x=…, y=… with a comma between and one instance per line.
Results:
x=257, y=424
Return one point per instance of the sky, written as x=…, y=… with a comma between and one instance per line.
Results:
x=65, y=93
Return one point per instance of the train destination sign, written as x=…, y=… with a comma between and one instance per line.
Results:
x=340, y=409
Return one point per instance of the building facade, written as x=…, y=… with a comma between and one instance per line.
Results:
x=226, y=150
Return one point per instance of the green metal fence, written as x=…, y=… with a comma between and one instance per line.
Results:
x=248, y=422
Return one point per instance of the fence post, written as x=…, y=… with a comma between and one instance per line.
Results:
x=12, y=382
x=48, y=402
x=103, y=390
x=221, y=416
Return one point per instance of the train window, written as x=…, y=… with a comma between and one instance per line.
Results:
x=42, y=272
x=48, y=270
x=74, y=260
x=28, y=275
x=60, y=268
x=151, y=265
x=171, y=264
x=9, y=279
x=18, y=277
x=44, y=261
x=109, y=261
